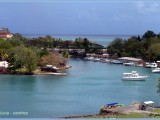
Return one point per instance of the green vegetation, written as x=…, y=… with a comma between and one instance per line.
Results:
x=50, y=43
x=131, y=115
x=22, y=57
x=26, y=54
x=146, y=47
x=156, y=110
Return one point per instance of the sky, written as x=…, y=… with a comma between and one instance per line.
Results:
x=80, y=17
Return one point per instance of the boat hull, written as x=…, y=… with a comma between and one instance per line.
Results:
x=134, y=79
x=155, y=71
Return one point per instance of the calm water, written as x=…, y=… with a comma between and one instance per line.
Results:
x=88, y=86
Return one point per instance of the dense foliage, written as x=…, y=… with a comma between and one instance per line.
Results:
x=146, y=47
x=27, y=53
x=79, y=43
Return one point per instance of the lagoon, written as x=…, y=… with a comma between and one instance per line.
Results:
x=88, y=86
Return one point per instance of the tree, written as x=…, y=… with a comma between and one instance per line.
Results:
x=132, y=46
x=65, y=54
x=149, y=34
x=22, y=57
x=4, y=46
x=86, y=44
x=116, y=47
x=53, y=59
x=19, y=37
x=154, y=52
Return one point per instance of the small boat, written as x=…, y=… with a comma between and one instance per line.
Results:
x=89, y=58
x=133, y=76
x=116, y=62
x=96, y=59
x=139, y=65
x=151, y=65
x=107, y=60
x=129, y=64
x=156, y=70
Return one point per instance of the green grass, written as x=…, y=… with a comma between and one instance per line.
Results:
x=131, y=115
x=156, y=110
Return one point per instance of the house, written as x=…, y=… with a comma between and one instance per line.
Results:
x=4, y=64
x=5, y=33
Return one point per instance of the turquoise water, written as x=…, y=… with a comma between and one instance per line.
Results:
x=88, y=86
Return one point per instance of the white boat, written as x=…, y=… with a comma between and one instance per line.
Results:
x=151, y=65
x=116, y=62
x=156, y=70
x=89, y=58
x=133, y=76
x=96, y=59
x=129, y=64
x=139, y=65
x=107, y=60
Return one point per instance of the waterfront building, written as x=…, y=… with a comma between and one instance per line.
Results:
x=136, y=61
x=5, y=33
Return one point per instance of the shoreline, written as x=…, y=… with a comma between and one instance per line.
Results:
x=133, y=110
x=36, y=72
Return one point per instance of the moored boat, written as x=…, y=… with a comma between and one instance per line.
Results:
x=133, y=76
x=151, y=65
x=156, y=70
x=129, y=64
x=96, y=59
x=89, y=58
x=116, y=62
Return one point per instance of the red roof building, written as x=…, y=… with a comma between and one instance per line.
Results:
x=5, y=33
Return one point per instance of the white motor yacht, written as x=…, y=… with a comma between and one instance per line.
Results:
x=133, y=76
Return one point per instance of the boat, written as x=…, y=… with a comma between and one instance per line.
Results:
x=133, y=76
x=96, y=59
x=116, y=62
x=139, y=65
x=156, y=70
x=89, y=58
x=107, y=60
x=151, y=65
x=129, y=64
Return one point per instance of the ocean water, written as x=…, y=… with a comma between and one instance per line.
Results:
x=88, y=86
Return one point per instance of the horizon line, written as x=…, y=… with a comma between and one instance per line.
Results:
x=80, y=34
x=77, y=1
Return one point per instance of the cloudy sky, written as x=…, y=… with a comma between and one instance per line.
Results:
x=80, y=17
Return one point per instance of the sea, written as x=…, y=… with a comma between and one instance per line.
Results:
x=87, y=87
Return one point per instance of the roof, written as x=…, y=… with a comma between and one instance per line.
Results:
x=148, y=102
x=130, y=59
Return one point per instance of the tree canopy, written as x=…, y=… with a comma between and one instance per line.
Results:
x=146, y=47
